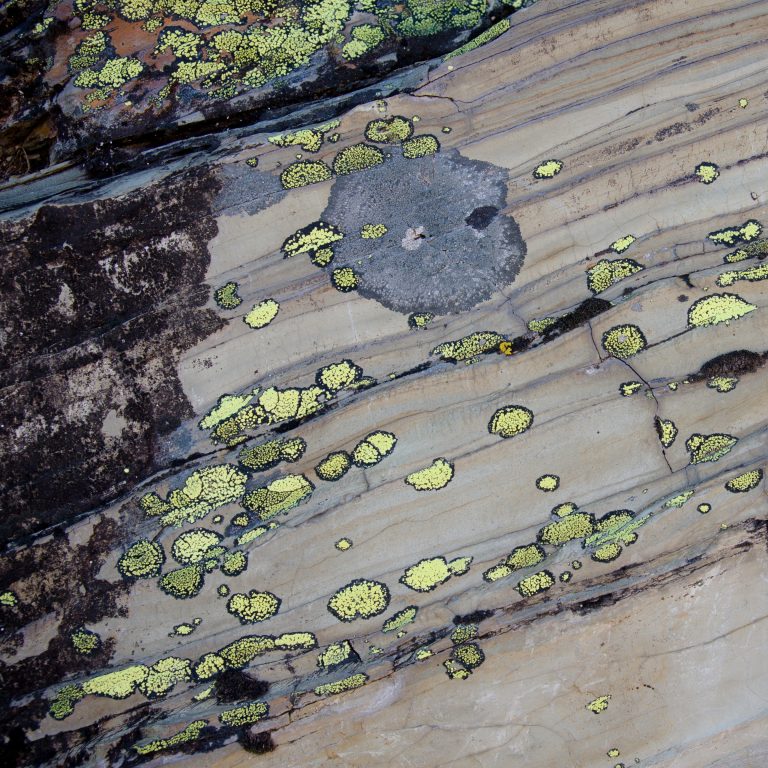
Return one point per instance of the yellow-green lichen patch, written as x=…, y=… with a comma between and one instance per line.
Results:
x=420, y=320
x=752, y=275
x=541, y=324
x=119, y=684
x=718, y=308
x=183, y=629
x=360, y=599
x=226, y=296
x=8, y=599
x=524, y=557
x=209, y=666
x=427, y=574
x=607, y=552
x=496, y=572
x=246, y=649
x=245, y=714
x=191, y=546
x=749, y=230
x=606, y=273
x=420, y=146
x=484, y=37
x=432, y=478
x=262, y=314
x=565, y=576
x=464, y=633
x=678, y=500
x=575, y=526
x=624, y=341
x=234, y=563
x=707, y=172
x=364, y=38
x=334, y=466
x=335, y=654
x=296, y=641
x=532, y=585
x=142, y=560
x=268, y=455
x=745, y=482
x=621, y=245
x=337, y=376
x=564, y=509
x=548, y=483
x=723, y=383
x=254, y=534
x=400, y=619
x=163, y=675
x=344, y=279
x=222, y=590
x=311, y=238
x=373, y=231
x=280, y=495
x=703, y=448
x=343, y=544
x=227, y=406
x=469, y=656
x=275, y=405
x=460, y=565
x=63, y=704
x=548, y=169
x=613, y=752
x=598, y=705
x=469, y=347
x=204, y=490
x=322, y=257
x=303, y=173
x=190, y=733
x=253, y=607
x=183, y=583
x=704, y=508
x=358, y=157
x=629, y=388
x=455, y=672
x=666, y=430
x=393, y=130
x=84, y=641
x=423, y=653
x=373, y=448
x=309, y=139
x=347, y=684
x=617, y=526
x=511, y=420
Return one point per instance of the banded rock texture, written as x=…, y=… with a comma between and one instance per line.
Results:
x=435, y=437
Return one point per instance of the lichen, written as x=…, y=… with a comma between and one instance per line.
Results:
x=423, y=145
x=343, y=544
x=745, y=482
x=718, y=308
x=752, y=275
x=484, y=37
x=260, y=458
x=621, y=245
x=142, y=560
x=226, y=297
x=573, y=526
x=337, y=376
x=373, y=448
x=190, y=733
x=336, y=654
x=749, y=230
x=666, y=430
x=360, y=599
x=347, y=684
x=163, y=675
x=364, y=38
x=304, y=173
x=624, y=341
x=607, y=272
x=183, y=583
x=469, y=347
x=533, y=585
x=262, y=314
x=432, y=478
x=707, y=172
x=548, y=169
x=511, y=420
x=334, y=466
x=344, y=279
x=84, y=641
x=280, y=495
x=393, y=130
x=548, y=483
x=373, y=231
x=192, y=546
x=355, y=158
x=400, y=619
x=253, y=607
x=119, y=684
x=245, y=714
x=598, y=705
x=427, y=574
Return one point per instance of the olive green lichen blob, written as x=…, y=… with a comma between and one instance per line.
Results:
x=360, y=599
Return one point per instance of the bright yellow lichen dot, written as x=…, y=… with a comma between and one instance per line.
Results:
x=400, y=619
x=344, y=279
x=497, y=572
x=358, y=157
x=420, y=320
x=628, y=388
x=373, y=448
x=704, y=508
x=420, y=146
x=666, y=430
x=677, y=501
x=311, y=238
x=707, y=172
x=190, y=733
x=262, y=314
x=574, y=526
x=334, y=466
x=373, y=231
x=338, y=376
x=244, y=715
x=209, y=666
x=723, y=383
x=433, y=477
x=253, y=607
x=621, y=245
x=510, y=420
x=548, y=169
x=8, y=599
x=303, y=173
x=743, y=103
x=335, y=654
x=745, y=482
x=524, y=557
x=564, y=509
x=598, y=705
x=606, y=273
x=84, y=641
x=246, y=649
x=532, y=585
x=343, y=544
x=427, y=574
x=360, y=599
x=541, y=324
x=613, y=752
x=278, y=496
x=459, y=565
x=718, y=308
x=228, y=405
x=296, y=641
x=709, y=447
x=548, y=483
x=182, y=583
x=623, y=341
x=347, y=684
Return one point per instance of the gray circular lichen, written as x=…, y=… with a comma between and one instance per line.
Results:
x=447, y=246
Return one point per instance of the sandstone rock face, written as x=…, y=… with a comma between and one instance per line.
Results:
x=402, y=406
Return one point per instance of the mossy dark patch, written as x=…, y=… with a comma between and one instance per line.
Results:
x=588, y=309
x=257, y=743
x=472, y=618
x=737, y=363
x=236, y=685
x=98, y=304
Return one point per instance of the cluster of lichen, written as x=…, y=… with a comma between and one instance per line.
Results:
x=337, y=376
x=745, y=482
x=309, y=139
x=183, y=583
x=245, y=714
x=304, y=173
x=334, y=466
x=373, y=448
x=538, y=582
x=363, y=39
x=280, y=495
x=315, y=237
x=573, y=526
x=703, y=448
x=84, y=641
x=344, y=279
x=484, y=37
x=259, y=458
x=142, y=560
x=373, y=231
x=525, y=556
x=548, y=483
x=400, y=619
x=624, y=341
x=392, y=130
x=666, y=430
x=510, y=420
x=226, y=296
x=423, y=145
x=253, y=607
x=360, y=599
x=357, y=157
x=469, y=347
x=707, y=172
x=548, y=169
x=718, y=308
x=749, y=230
x=431, y=572
x=190, y=733
x=346, y=684
x=432, y=478
x=336, y=654
x=262, y=314
x=607, y=272
x=420, y=320
x=629, y=388
x=752, y=275
x=8, y=599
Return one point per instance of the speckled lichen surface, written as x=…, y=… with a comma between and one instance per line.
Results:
x=426, y=431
